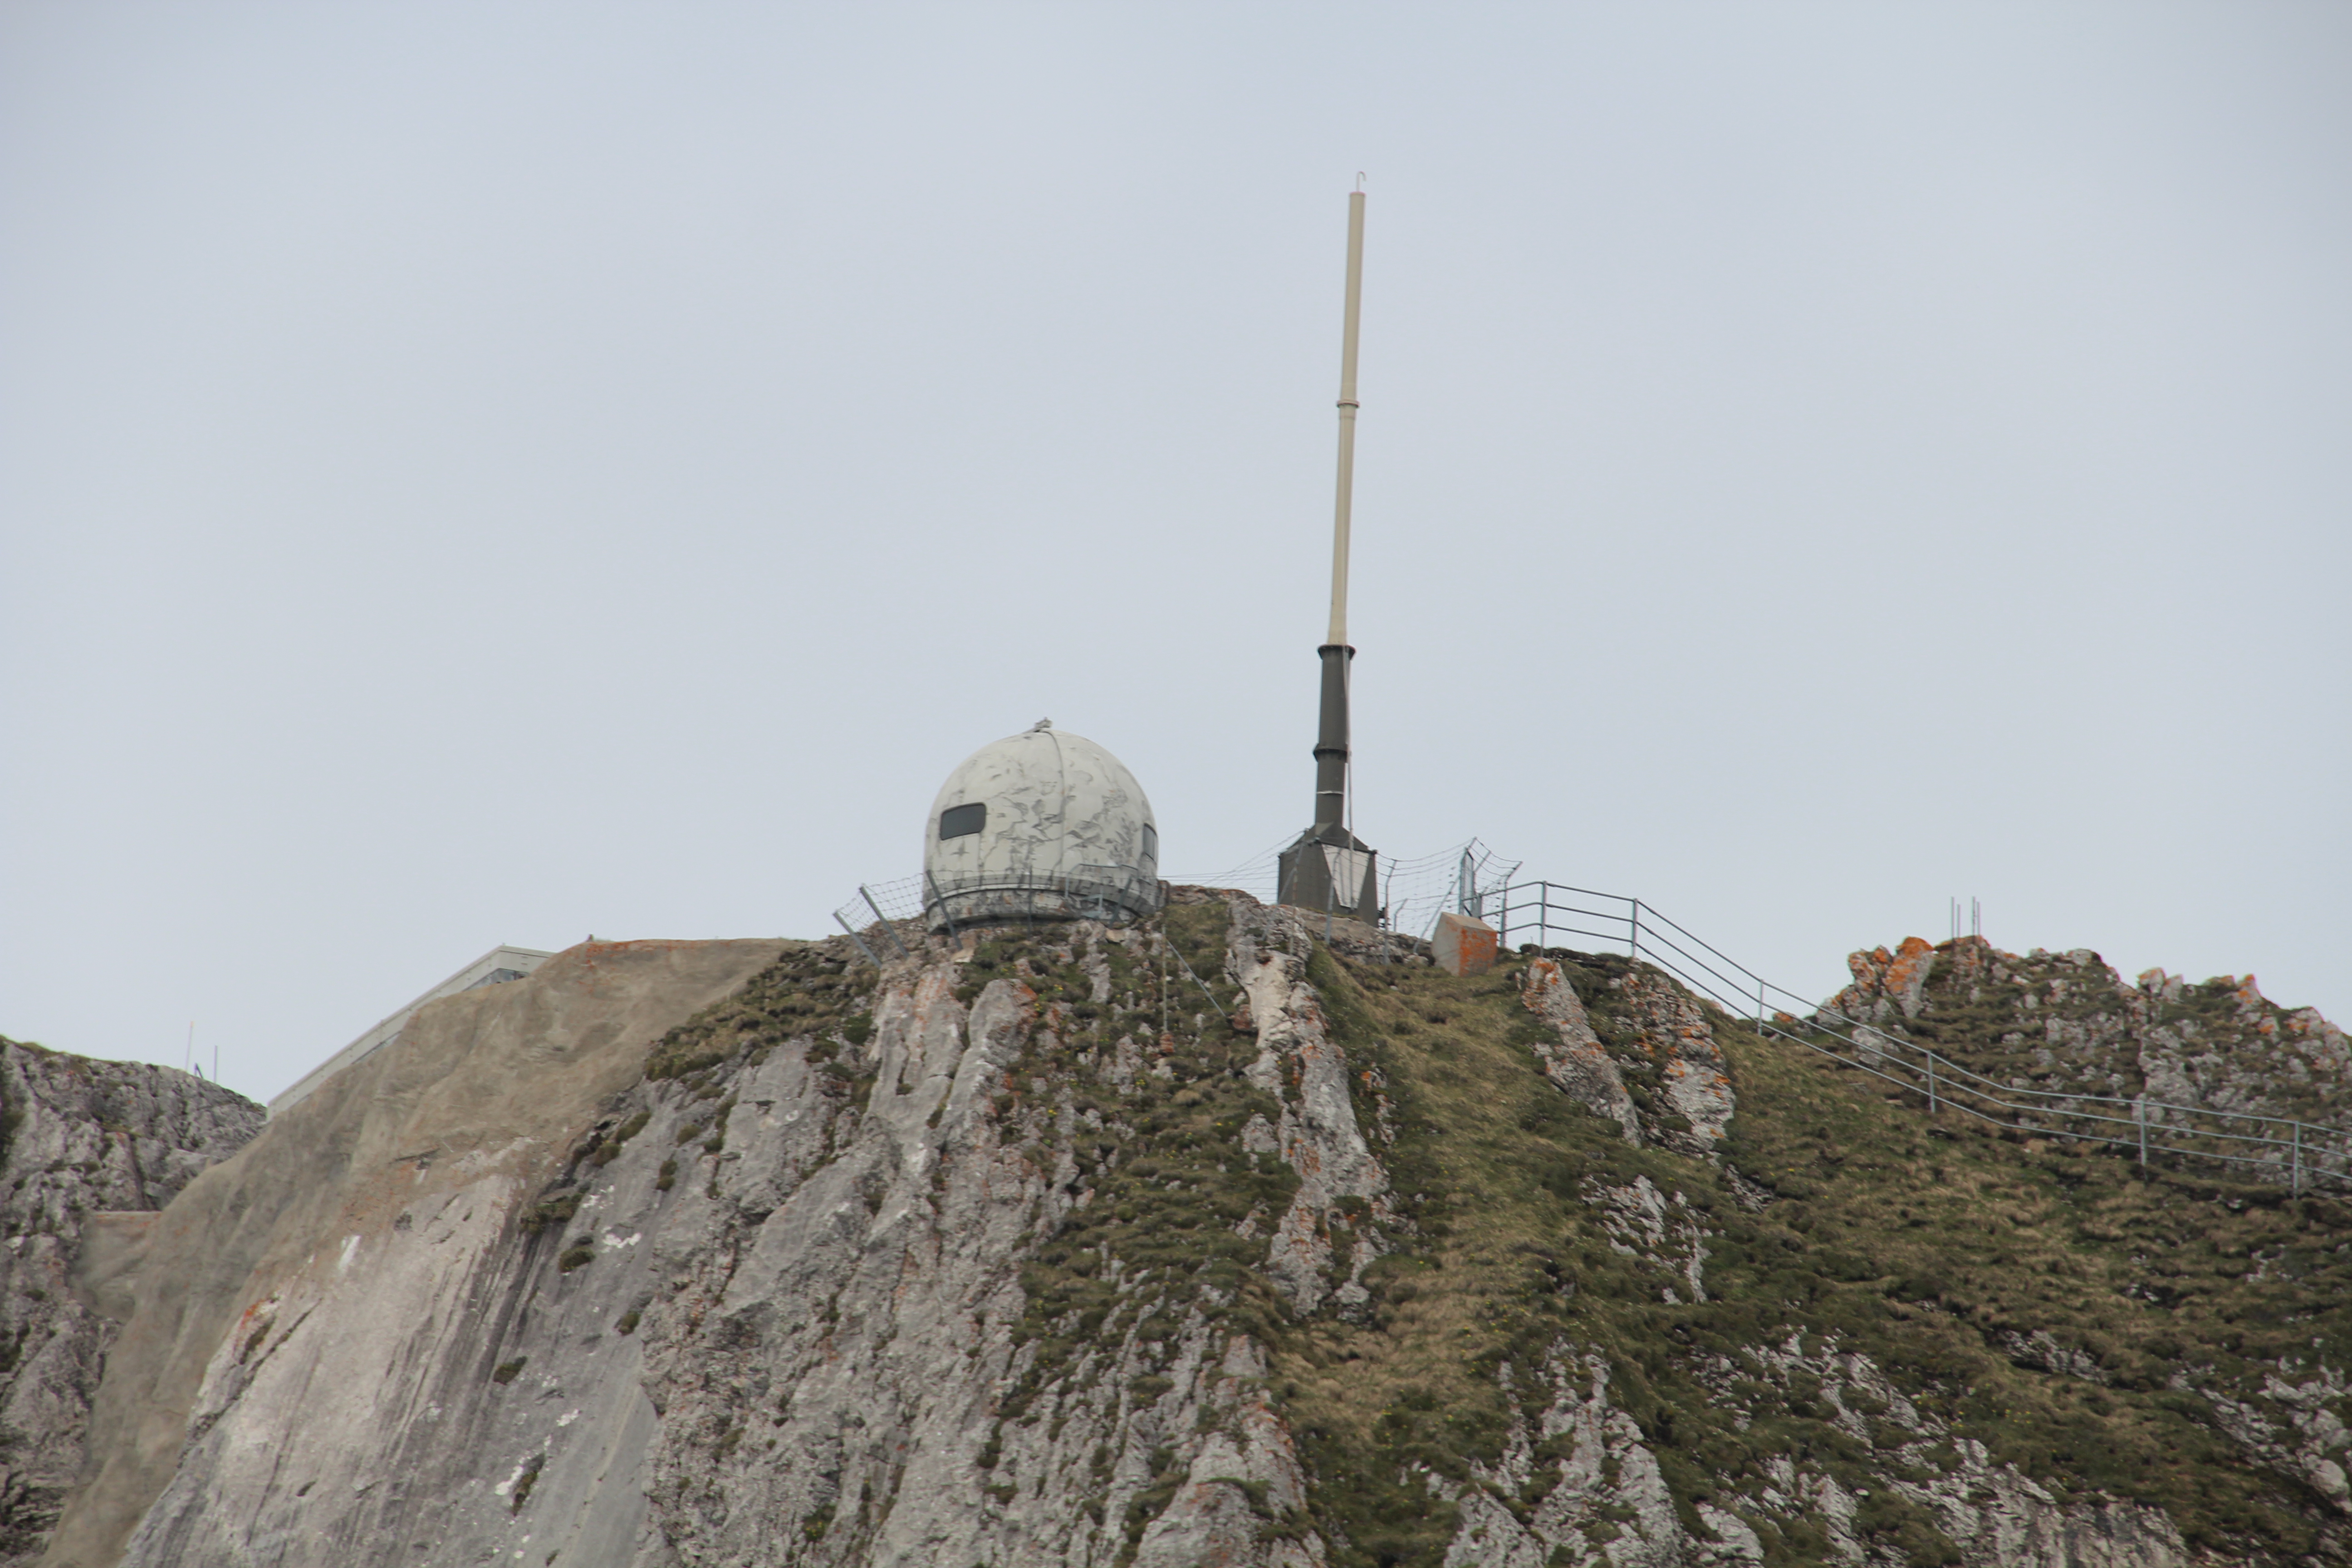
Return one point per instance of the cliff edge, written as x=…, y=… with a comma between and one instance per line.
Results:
x=311, y=1288
x=82, y=1143
x=1202, y=1240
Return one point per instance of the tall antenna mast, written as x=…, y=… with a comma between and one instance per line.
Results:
x=1331, y=733
x=1329, y=868
x=1348, y=405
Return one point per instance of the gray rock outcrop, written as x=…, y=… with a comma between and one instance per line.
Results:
x=1082, y=1246
x=1575, y=1060
x=294, y=1383
x=78, y=1139
x=1652, y=1033
x=2067, y=1022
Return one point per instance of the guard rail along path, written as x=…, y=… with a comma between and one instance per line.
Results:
x=2305, y=1153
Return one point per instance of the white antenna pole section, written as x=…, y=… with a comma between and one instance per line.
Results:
x=1339, y=521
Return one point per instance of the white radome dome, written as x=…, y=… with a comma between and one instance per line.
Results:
x=1040, y=826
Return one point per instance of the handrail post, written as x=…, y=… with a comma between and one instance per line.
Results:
x=2294, y=1181
x=884, y=921
x=1633, y=932
x=2139, y=1114
x=941, y=897
x=1932, y=1107
x=858, y=940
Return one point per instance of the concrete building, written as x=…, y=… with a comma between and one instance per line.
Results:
x=497, y=965
x=1040, y=826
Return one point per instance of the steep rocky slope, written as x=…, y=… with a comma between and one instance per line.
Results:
x=2066, y=1025
x=77, y=1137
x=293, y=1312
x=1201, y=1242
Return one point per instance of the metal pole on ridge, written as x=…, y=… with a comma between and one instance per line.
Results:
x=1341, y=515
x=1329, y=852
x=884, y=920
x=858, y=940
x=1331, y=740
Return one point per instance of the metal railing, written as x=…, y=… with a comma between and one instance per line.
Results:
x=1091, y=891
x=2303, y=1153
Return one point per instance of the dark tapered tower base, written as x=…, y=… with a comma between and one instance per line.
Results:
x=1329, y=870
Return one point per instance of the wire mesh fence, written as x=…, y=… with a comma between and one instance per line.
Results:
x=1413, y=892
x=899, y=900
x=1090, y=892
x=1464, y=878
x=1255, y=876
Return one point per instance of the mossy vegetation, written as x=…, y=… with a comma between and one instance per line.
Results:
x=811, y=990
x=2046, y=1303
x=2075, y=1313
x=1936, y=1247
x=524, y=1482
x=554, y=1211
x=2061, y=1304
x=1172, y=1187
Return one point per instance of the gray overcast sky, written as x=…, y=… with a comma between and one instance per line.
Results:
x=495, y=473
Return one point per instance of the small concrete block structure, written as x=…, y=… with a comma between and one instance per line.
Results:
x=1463, y=944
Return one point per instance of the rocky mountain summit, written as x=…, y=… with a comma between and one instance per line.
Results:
x=79, y=1138
x=2066, y=1022
x=1207, y=1240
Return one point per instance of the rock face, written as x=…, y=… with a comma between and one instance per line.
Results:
x=2070, y=1030
x=1199, y=1241
x=2066, y=1022
x=79, y=1137
x=1659, y=1040
x=294, y=1383
x=1611, y=1492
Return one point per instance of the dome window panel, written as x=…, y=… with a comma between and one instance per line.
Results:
x=962, y=821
